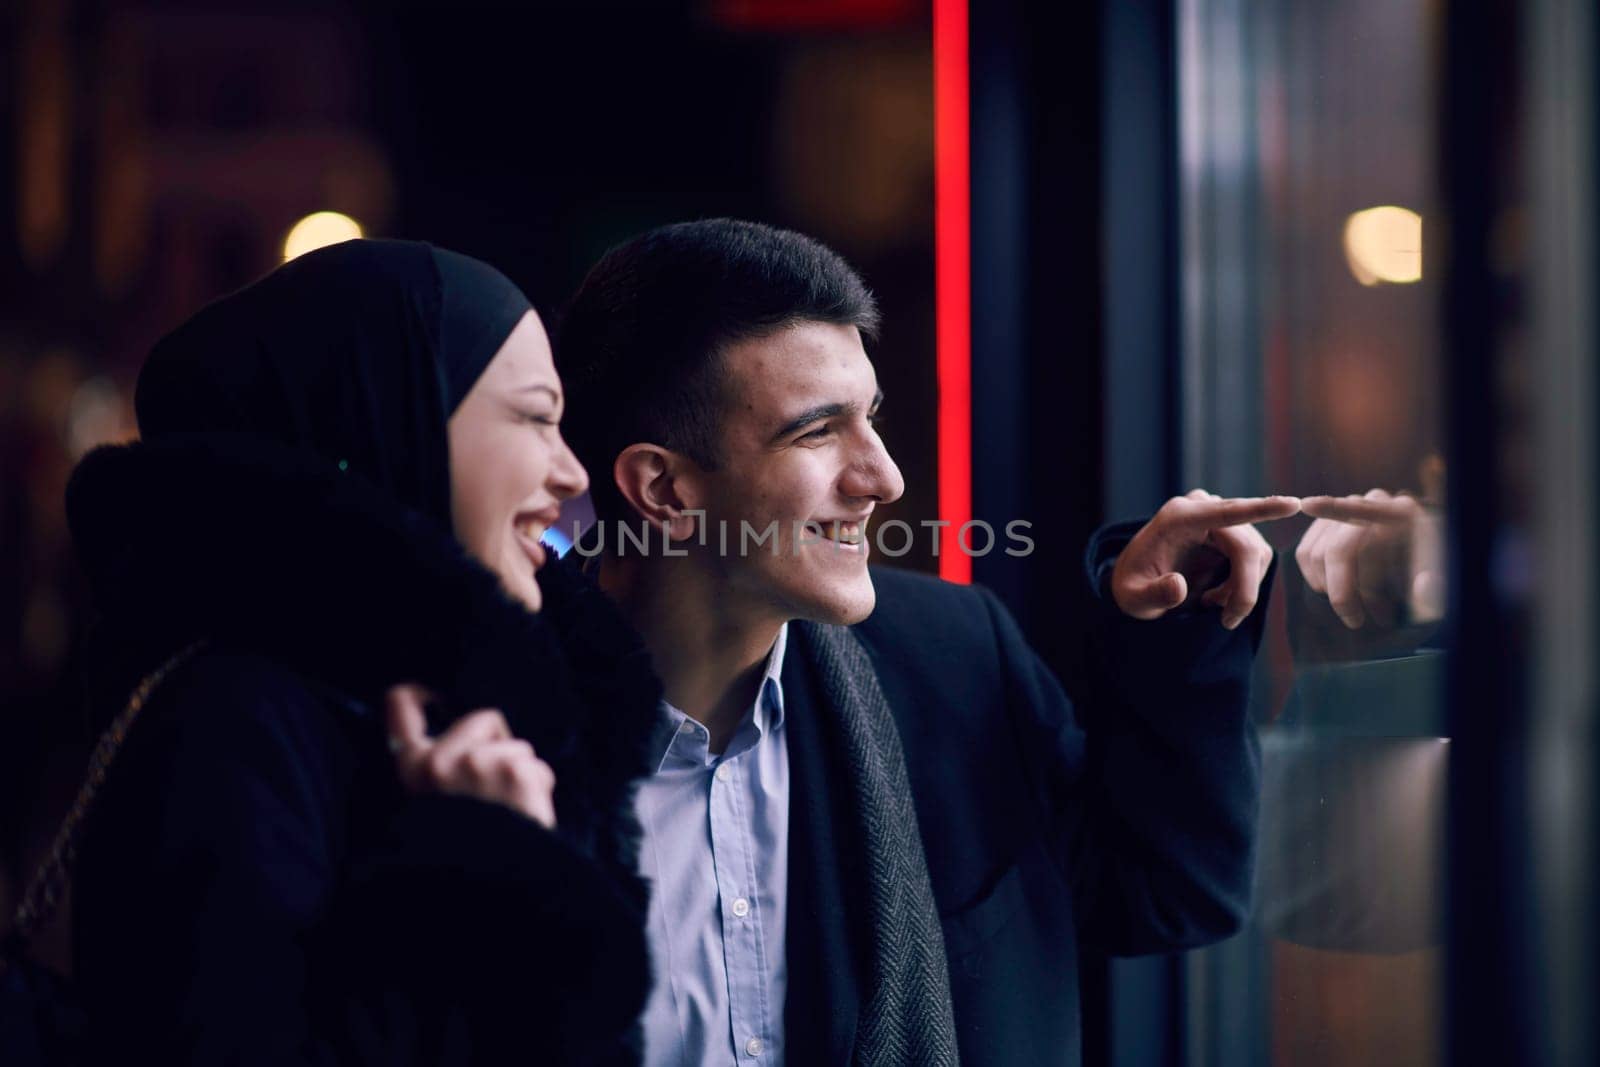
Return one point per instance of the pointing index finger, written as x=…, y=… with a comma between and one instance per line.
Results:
x=1209, y=514
x=1361, y=509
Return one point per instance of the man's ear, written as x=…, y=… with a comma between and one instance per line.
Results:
x=650, y=478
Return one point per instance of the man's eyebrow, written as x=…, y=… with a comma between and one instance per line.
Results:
x=810, y=415
x=820, y=412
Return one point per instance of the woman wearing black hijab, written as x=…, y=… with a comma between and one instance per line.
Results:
x=332, y=518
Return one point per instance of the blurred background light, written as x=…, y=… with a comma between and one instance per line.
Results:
x=318, y=230
x=1384, y=244
x=97, y=415
x=557, y=540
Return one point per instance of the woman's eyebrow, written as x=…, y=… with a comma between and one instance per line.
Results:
x=554, y=393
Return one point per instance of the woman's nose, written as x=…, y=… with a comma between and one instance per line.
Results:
x=567, y=476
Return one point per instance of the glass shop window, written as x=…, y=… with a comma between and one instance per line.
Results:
x=1311, y=366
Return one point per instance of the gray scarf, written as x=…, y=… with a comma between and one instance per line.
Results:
x=906, y=1016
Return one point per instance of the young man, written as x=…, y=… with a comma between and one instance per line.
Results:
x=879, y=832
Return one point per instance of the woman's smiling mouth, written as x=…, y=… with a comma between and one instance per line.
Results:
x=529, y=529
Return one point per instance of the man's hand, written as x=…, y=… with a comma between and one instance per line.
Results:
x=1180, y=554
x=476, y=757
x=1372, y=555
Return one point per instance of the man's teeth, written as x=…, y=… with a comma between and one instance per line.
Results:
x=846, y=533
x=529, y=528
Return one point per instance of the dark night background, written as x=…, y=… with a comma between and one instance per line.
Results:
x=1161, y=298
x=160, y=151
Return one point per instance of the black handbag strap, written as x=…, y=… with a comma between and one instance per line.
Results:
x=49, y=883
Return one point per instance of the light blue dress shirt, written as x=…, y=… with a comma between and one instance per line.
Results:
x=716, y=852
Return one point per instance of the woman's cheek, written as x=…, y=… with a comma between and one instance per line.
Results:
x=536, y=470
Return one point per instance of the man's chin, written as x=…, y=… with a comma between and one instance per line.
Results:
x=844, y=606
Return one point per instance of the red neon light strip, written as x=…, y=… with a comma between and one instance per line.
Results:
x=952, y=241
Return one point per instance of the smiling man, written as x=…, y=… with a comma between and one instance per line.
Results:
x=879, y=831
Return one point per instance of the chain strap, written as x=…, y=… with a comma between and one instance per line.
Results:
x=49, y=884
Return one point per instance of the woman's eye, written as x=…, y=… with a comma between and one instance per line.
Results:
x=542, y=420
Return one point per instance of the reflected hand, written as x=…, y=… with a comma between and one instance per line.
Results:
x=1373, y=555
x=476, y=757
x=1180, y=555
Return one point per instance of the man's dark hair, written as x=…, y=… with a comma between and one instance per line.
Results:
x=640, y=348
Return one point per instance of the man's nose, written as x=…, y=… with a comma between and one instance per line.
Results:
x=874, y=475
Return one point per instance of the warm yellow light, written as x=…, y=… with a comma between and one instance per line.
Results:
x=1384, y=244
x=319, y=230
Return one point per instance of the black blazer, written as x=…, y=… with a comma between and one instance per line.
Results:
x=1123, y=817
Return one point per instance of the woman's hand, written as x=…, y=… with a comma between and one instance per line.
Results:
x=476, y=757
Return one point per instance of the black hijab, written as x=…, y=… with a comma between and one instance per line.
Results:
x=358, y=353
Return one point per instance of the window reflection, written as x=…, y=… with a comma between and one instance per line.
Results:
x=1311, y=354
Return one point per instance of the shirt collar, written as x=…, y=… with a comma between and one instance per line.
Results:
x=769, y=705
x=688, y=738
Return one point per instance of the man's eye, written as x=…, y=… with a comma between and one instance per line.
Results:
x=816, y=435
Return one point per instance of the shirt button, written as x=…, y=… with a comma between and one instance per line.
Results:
x=754, y=1046
x=686, y=728
x=724, y=772
x=741, y=907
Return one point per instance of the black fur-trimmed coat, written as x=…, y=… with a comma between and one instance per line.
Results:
x=254, y=886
